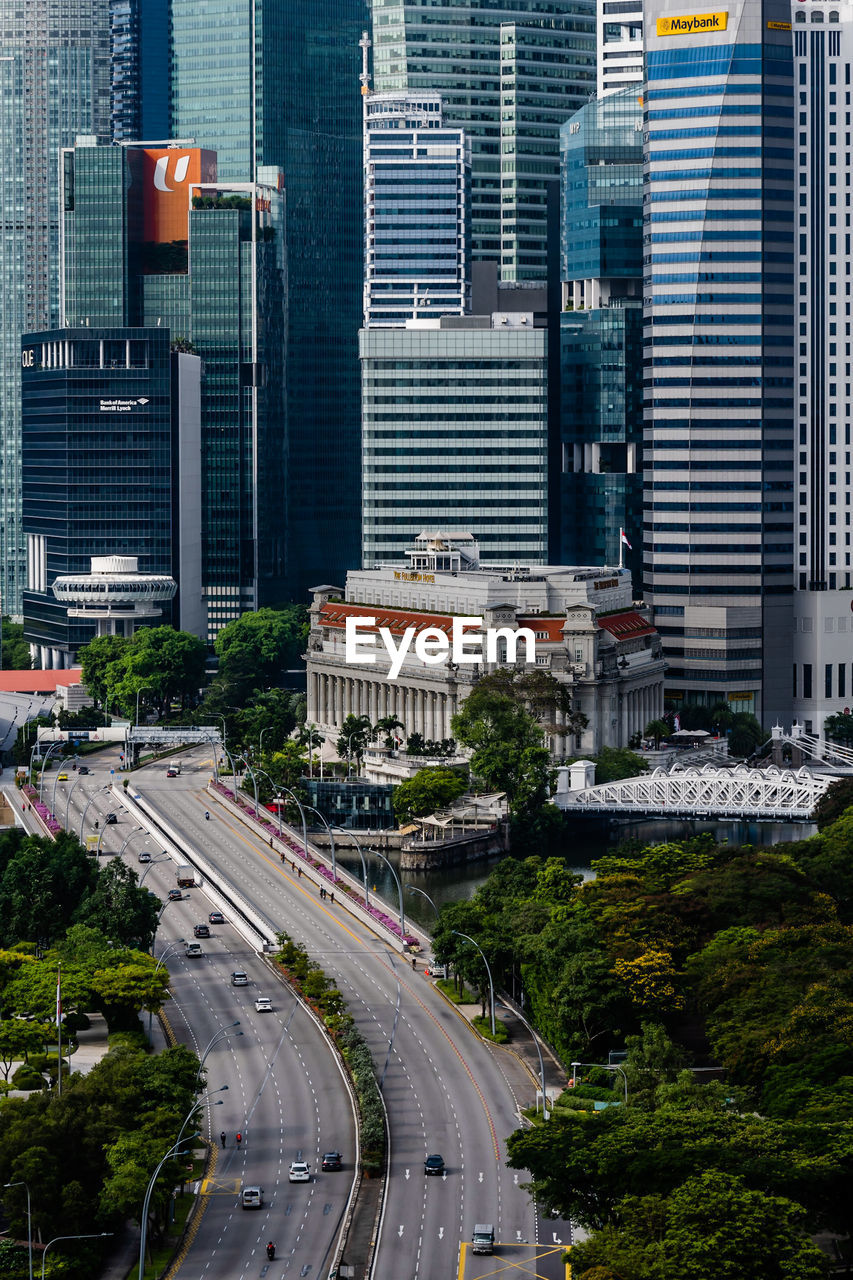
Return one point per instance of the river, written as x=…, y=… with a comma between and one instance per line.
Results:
x=581, y=849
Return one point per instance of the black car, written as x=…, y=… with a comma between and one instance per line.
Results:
x=332, y=1162
x=216, y=917
x=434, y=1164
x=175, y=895
x=110, y=819
x=201, y=931
x=84, y=769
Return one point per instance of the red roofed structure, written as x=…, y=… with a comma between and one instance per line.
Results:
x=38, y=681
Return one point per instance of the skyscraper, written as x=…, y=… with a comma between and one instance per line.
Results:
x=823, y=622
x=152, y=239
x=276, y=84
x=139, y=56
x=601, y=332
x=54, y=84
x=510, y=74
x=417, y=208
x=719, y=302
x=620, y=45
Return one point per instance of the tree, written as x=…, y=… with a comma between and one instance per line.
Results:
x=428, y=790
x=839, y=728
x=613, y=763
x=507, y=745
x=97, y=659
x=16, y=651
x=835, y=801
x=354, y=738
x=287, y=766
x=386, y=730
x=257, y=648
x=657, y=729
x=18, y=1039
x=159, y=664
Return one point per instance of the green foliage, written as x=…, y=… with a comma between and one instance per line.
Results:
x=257, y=648
x=354, y=738
x=428, y=790
x=835, y=801
x=16, y=651
x=158, y=663
x=837, y=728
x=613, y=763
x=656, y=729
x=507, y=742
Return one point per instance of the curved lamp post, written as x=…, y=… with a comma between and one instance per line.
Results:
x=488, y=971
x=310, y=809
x=89, y=1235
x=604, y=1066
x=277, y=794
x=54, y=746
x=146, y=688
x=55, y=782
x=152, y=863
x=230, y=760
x=86, y=810
x=301, y=809
x=345, y=831
x=410, y=888
x=254, y=780
x=214, y=1040
x=129, y=838
x=76, y=782
x=29, y=1220
x=170, y=946
x=546, y=1115
x=399, y=890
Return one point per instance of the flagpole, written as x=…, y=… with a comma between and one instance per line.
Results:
x=59, y=1027
x=620, y=548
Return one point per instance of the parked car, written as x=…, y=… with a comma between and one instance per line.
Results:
x=299, y=1172
x=332, y=1162
x=216, y=917
x=434, y=1165
x=239, y=978
x=263, y=1004
x=201, y=931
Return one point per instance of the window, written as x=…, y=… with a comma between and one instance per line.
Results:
x=807, y=680
x=827, y=681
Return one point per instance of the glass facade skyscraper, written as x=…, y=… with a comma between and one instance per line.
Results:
x=601, y=333
x=54, y=84
x=139, y=56
x=455, y=435
x=214, y=276
x=275, y=84
x=417, y=208
x=510, y=74
x=718, y=355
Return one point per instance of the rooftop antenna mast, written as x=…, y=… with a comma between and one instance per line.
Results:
x=364, y=44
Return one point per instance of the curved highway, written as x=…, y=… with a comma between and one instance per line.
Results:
x=445, y=1090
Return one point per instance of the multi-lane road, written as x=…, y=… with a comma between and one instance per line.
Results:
x=445, y=1090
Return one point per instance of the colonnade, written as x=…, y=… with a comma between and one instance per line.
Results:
x=421, y=709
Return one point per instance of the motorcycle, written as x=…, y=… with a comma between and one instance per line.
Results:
x=270, y=1250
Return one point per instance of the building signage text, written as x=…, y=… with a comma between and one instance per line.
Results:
x=28, y=358
x=402, y=576
x=120, y=406
x=691, y=24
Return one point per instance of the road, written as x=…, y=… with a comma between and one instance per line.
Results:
x=445, y=1090
x=285, y=1093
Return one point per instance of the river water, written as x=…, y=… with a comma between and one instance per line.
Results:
x=582, y=848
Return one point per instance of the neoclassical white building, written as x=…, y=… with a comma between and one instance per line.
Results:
x=588, y=634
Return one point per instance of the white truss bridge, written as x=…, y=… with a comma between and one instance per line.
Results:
x=685, y=791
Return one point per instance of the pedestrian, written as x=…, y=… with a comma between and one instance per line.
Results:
x=293, y=866
x=271, y=842
x=222, y=1137
x=415, y=963
x=322, y=892
x=333, y=899
x=300, y=873
x=281, y=855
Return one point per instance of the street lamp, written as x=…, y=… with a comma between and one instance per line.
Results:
x=350, y=737
x=172, y=1151
x=410, y=888
x=146, y=688
x=399, y=891
x=230, y=760
x=310, y=808
x=129, y=838
x=265, y=729
x=254, y=781
x=345, y=831
x=55, y=782
x=298, y=804
x=29, y=1220
x=605, y=1066
x=274, y=786
x=86, y=810
x=89, y=1235
x=152, y=863
x=312, y=732
x=214, y=1040
x=68, y=798
x=488, y=971
x=170, y=946
x=524, y=1022
x=54, y=746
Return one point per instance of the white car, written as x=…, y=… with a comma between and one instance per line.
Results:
x=299, y=1172
x=263, y=1004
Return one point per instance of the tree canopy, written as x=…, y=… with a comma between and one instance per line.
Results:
x=428, y=790
x=159, y=664
x=258, y=647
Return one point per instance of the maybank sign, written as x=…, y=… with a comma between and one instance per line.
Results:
x=693, y=24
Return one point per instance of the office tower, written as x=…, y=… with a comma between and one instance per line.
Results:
x=823, y=622
x=455, y=434
x=619, y=33
x=601, y=333
x=139, y=56
x=153, y=239
x=417, y=203
x=111, y=466
x=718, y=461
x=275, y=84
x=54, y=84
x=509, y=74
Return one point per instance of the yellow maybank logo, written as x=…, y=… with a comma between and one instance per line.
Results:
x=690, y=25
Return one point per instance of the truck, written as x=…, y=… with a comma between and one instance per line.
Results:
x=483, y=1239
x=185, y=875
